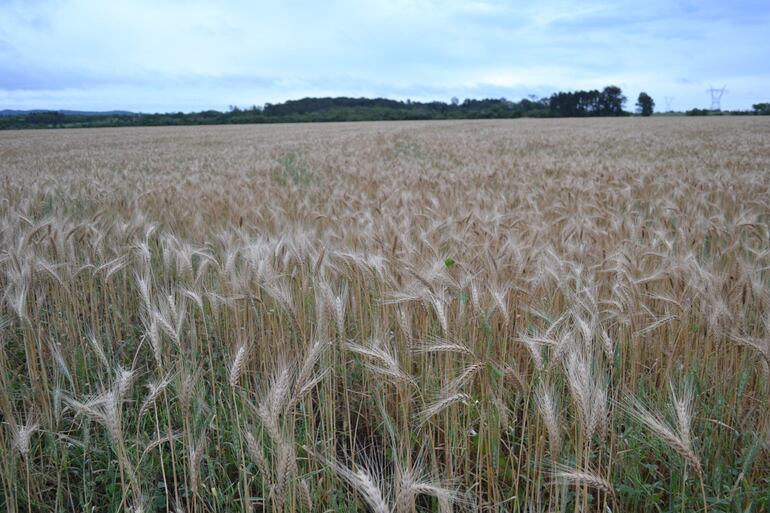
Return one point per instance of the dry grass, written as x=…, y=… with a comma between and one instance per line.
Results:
x=528, y=315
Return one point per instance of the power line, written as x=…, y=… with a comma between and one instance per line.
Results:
x=716, y=97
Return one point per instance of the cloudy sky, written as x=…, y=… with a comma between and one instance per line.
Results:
x=158, y=56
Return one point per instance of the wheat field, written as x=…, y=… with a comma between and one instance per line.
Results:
x=527, y=316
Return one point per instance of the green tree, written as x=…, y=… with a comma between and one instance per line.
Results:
x=611, y=101
x=645, y=104
x=761, y=108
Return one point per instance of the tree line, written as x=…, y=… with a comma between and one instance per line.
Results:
x=610, y=101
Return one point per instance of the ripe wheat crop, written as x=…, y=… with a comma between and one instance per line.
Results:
x=539, y=316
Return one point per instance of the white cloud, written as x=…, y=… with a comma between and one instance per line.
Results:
x=153, y=55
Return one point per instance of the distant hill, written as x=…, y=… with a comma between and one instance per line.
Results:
x=9, y=112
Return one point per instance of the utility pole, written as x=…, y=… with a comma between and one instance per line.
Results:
x=716, y=97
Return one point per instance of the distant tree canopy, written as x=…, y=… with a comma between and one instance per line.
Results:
x=645, y=104
x=761, y=108
x=607, y=102
x=47, y=118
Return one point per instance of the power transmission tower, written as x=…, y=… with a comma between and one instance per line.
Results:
x=716, y=97
x=668, y=100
